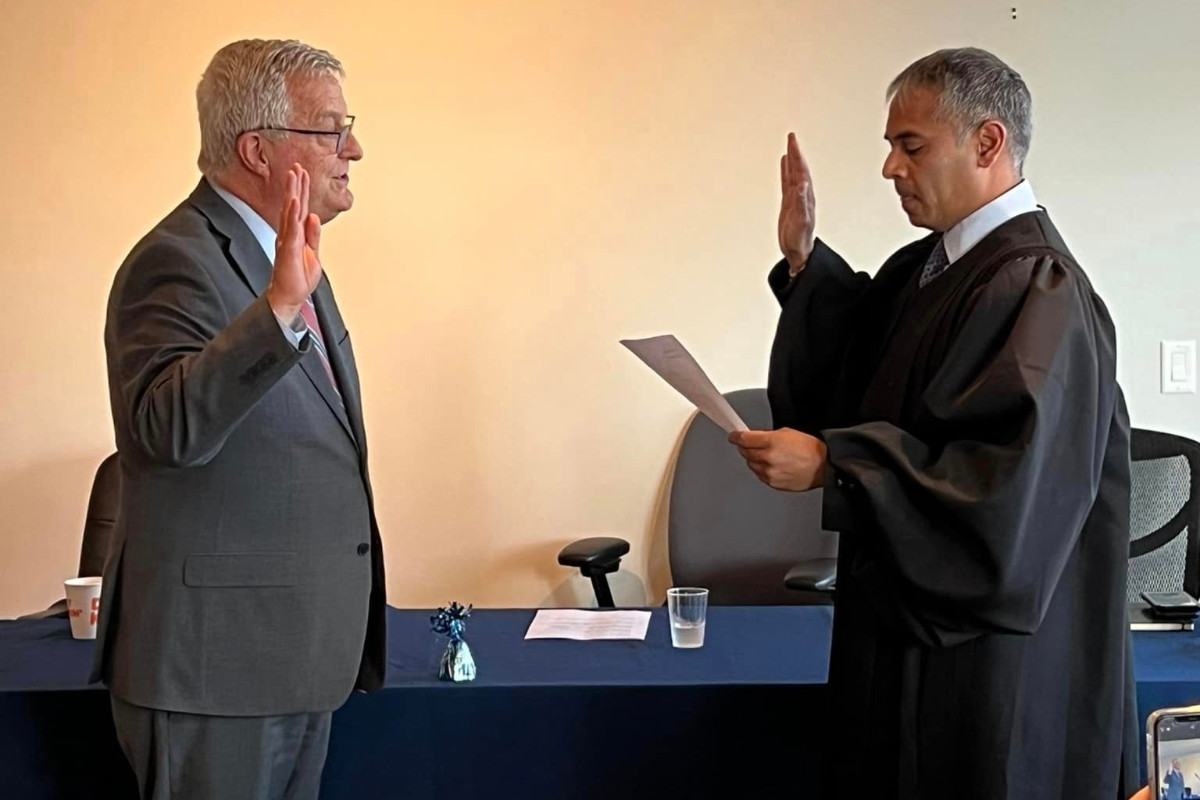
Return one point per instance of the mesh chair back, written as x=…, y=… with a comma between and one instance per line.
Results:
x=1164, y=524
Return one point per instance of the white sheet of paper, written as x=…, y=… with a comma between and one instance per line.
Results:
x=675, y=365
x=571, y=623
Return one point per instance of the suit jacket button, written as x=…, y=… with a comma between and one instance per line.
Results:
x=364, y=548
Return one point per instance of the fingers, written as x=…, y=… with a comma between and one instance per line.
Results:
x=294, y=219
x=285, y=218
x=312, y=233
x=304, y=179
x=758, y=461
x=797, y=165
x=764, y=472
x=754, y=446
x=784, y=178
x=287, y=214
x=795, y=159
x=751, y=440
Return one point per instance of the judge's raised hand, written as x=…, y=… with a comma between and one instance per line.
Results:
x=783, y=459
x=297, y=247
x=798, y=208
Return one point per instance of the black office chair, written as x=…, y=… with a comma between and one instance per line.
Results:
x=97, y=529
x=596, y=558
x=1164, y=519
x=726, y=530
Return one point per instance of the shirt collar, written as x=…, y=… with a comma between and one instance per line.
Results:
x=263, y=232
x=959, y=240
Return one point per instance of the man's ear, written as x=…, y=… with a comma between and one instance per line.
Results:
x=990, y=139
x=251, y=152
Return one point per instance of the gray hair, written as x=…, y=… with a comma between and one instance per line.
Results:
x=973, y=86
x=245, y=88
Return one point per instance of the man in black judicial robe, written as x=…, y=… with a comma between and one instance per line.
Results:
x=962, y=413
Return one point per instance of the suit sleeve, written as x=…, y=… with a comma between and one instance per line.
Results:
x=966, y=522
x=185, y=374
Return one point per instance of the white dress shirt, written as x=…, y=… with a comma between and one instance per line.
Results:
x=959, y=240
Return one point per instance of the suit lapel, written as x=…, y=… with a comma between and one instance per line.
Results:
x=335, y=330
x=253, y=266
x=245, y=254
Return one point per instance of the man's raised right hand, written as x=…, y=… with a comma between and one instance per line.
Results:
x=798, y=209
x=297, y=250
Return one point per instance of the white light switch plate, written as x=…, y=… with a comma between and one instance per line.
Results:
x=1178, y=367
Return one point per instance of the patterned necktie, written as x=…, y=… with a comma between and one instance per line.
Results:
x=936, y=264
x=309, y=312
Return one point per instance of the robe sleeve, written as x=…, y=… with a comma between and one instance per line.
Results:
x=965, y=522
x=818, y=316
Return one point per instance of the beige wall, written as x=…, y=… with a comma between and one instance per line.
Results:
x=542, y=179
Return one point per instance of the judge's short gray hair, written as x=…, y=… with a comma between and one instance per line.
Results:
x=245, y=88
x=973, y=86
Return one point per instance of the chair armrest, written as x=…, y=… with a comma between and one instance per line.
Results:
x=59, y=609
x=815, y=575
x=598, y=552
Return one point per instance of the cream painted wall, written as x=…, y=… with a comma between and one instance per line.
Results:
x=542, y=179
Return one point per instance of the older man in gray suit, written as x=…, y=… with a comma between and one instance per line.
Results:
x=244, y=596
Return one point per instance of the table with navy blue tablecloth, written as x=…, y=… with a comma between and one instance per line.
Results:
x=544, y=719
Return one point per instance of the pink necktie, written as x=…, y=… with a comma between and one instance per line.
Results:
x=309, y=312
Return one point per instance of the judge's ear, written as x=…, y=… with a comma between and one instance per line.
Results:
x=990, y=139
x=251, y=152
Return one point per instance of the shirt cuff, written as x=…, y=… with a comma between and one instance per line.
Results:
x=295, y=332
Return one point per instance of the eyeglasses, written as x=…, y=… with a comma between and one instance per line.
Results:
x=342, y=133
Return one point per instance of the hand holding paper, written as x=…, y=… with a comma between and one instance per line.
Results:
x=674, y=364
x=785, y=459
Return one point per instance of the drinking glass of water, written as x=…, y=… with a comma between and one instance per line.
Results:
x=687, y=608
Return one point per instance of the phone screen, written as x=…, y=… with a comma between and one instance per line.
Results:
x=1178, y=758
x=1170, y=599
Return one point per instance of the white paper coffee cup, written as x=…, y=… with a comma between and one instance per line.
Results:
x=83, y=606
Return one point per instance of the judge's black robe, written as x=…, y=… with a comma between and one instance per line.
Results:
x=979, y=474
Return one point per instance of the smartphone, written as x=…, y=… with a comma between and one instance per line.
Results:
x=1171, y=604
x=1173, y=752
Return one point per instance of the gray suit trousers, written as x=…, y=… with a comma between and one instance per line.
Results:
x=197, y=757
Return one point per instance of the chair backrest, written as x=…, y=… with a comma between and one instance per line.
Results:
x=97, y=529
x=730, y=533
x=1164, y=523
x=101, y=517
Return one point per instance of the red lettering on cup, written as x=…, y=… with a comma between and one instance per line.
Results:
x=95, y=604
x=94, y=617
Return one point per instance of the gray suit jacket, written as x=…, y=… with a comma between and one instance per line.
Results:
x=246, y=572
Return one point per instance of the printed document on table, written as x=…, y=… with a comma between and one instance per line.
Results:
x=573, y=623
x=674, y=364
